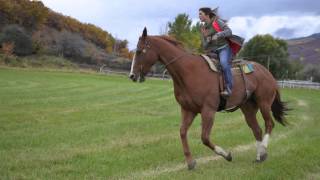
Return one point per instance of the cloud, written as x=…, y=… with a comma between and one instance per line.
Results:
x=230, y=8
x=125, y=19
x=279, y=26
x=83, y=10
x=285, y=32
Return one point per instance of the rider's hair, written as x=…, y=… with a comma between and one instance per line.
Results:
x=207, y=11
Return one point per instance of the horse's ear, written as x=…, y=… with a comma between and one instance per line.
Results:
x=144, y=33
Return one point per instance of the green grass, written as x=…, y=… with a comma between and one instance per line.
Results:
x=59, y=125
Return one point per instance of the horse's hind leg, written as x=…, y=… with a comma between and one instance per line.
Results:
x=265, y=109
x=207, y=123
x=186, y=121
x=250, y=110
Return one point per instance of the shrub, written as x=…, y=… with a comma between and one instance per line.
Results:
x=7, y=48
x=17, y=35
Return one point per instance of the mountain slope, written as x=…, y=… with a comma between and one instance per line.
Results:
x=306, y=49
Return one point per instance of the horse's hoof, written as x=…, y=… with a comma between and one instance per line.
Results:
x=192, y=165
x=262, y=158
x=229, y=157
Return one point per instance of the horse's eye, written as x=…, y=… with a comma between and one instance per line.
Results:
x=138, y=51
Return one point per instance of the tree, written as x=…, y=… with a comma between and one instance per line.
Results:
x=270, y=52
x=180, y=27
x=17, y=35
x=311, y=72
x=29, y=14
x=295, y=68
x=71, y=45
x=7, y=48
x=195, y=39
x=183, y=31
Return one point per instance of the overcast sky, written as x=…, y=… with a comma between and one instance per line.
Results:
x=125, y=19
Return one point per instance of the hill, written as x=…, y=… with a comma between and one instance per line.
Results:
x=305, y=49
x=46, y=32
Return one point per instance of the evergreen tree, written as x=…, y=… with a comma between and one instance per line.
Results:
x=183, y=31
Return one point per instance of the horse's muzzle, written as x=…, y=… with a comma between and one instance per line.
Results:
x=133, y=77
x=136, y=78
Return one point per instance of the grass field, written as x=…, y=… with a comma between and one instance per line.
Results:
x=59, y=125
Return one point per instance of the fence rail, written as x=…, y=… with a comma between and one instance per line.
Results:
x=283, y=83
x=299, y=84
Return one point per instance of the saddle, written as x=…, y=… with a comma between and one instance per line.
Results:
x=237, y=64
x=240, y=66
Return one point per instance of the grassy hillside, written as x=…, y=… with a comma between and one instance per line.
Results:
x=89, y=126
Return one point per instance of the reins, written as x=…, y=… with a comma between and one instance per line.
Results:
x=174, y=60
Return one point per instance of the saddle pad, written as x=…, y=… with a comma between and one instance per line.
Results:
x=246, y=66
x=210, y=62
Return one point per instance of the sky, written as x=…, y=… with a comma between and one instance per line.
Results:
x=125, y=19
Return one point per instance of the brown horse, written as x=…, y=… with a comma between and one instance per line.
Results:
x=196, y=89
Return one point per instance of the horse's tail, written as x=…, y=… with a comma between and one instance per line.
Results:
x=279, y=109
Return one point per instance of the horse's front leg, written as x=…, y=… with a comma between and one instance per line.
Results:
x=207, y=116
x=186, y=121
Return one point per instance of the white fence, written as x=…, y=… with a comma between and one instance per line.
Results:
x=299, y=84
x=283, y=84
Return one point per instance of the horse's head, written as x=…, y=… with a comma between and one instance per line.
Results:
x=144, y=58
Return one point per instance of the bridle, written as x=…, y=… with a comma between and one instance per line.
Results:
x=148, y=46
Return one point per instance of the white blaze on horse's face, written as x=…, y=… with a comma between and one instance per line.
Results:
x=144, y=58
x=142, y=61
x=136, y=70
x=131, y=75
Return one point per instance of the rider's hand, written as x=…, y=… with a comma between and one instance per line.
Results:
x=214, y=37
x=204, y=31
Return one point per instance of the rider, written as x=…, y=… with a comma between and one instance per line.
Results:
x=214, y=40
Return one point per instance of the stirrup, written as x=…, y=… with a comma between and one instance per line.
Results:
x=225, y=94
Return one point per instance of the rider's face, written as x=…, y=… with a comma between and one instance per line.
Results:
x=203, y=17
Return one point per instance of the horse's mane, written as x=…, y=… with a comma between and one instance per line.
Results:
x=172, y=41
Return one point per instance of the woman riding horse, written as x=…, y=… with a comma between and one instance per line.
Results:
x=215, y=33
